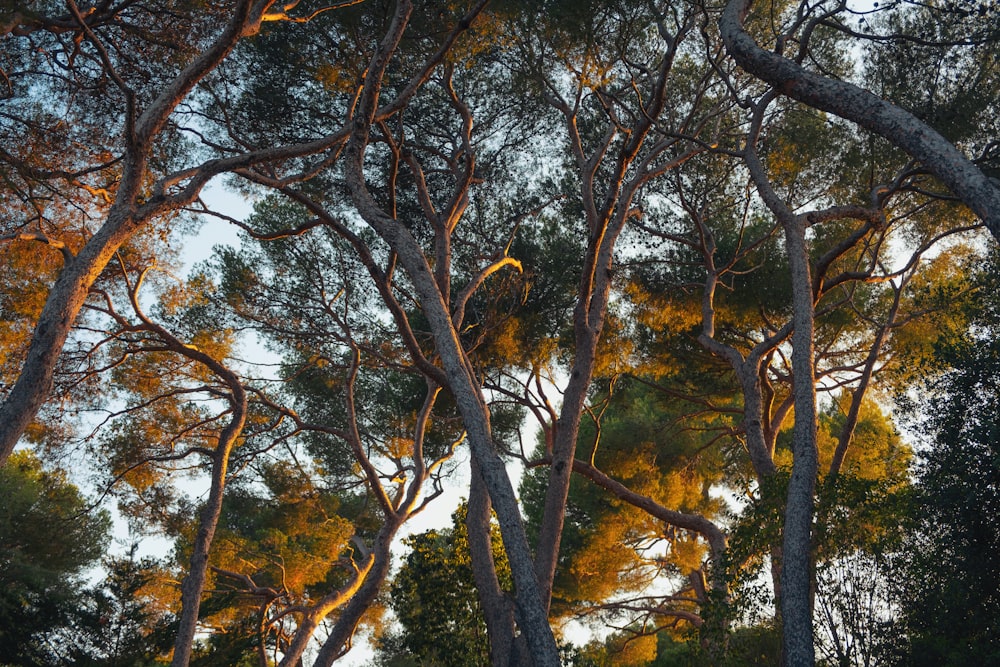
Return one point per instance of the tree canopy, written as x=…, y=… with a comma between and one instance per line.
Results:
x=693, y=303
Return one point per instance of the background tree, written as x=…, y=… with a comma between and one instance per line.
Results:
x=948, y=565
x=48, y=539
x=435, y=600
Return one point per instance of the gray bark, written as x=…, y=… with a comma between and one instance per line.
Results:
x=58, y=315
x=498, y=611
x=796, y=567
x=475, y=414
x=796, y=553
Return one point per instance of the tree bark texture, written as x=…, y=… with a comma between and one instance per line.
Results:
x=497, y=609
x=796, y=567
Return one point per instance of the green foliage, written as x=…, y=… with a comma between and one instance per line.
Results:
x=950, y=570
x=127, y=619
x=522, y=319
x=749, y=646
x=952, y=89
x=674, y=436
x=435, y=600
x=47, y=540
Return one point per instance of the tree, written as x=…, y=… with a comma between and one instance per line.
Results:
x=141, y=137
x=126, y=620
x=615, y=548
x=948, y=567
x=435, y=600
x=788, y=76
x=146, y=101
x=591, y=213
x=48, y=538
x=923, y=142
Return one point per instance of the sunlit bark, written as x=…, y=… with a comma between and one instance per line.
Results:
x=608, y=200
x=457, y=367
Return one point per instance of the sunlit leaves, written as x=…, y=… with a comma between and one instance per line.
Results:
x=651, y=444
x=32, y=268
x=289, y=539
x=877, y=452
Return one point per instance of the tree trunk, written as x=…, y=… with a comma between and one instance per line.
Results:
x=194, y=583
x=796, y=567
x=564, y=447
x=497, y=609
x=347, y=623
x=461, y=377
x=59, y=314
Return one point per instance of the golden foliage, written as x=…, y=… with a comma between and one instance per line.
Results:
x=628, y=650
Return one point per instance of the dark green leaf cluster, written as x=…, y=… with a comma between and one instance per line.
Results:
x=435, y=600
x=949, y=568
x=47, y=540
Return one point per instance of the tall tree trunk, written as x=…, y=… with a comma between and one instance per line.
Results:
x=796, y=567
x=532, y=612
x=461, y=377
x=194, y=583
x=564, y=448
x=498, y=611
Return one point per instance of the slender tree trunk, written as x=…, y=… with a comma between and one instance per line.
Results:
x=347, y=623
x=498, y=611
x=532, y=614
x=564, y=447
x=194, y=583
x=796, y=568
x=461, y=377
